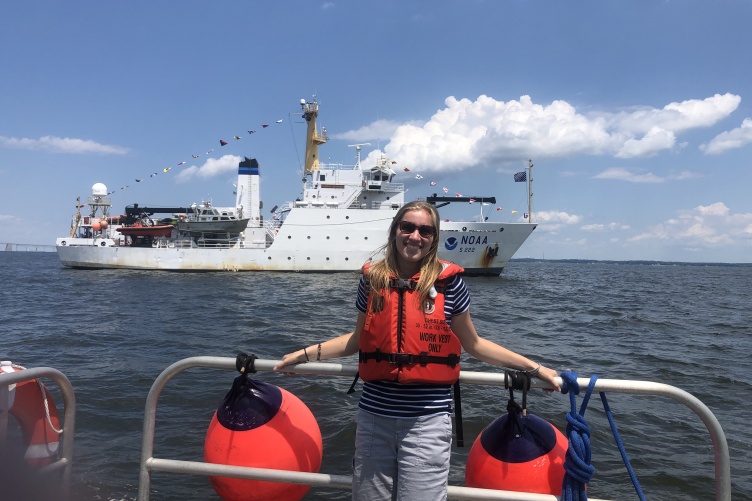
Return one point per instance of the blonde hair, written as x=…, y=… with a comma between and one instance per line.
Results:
x=381, y=271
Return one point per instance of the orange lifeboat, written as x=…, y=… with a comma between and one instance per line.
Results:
x=140, y=230
x=33, y=407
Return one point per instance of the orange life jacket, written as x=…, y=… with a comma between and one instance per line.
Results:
x=405, y=343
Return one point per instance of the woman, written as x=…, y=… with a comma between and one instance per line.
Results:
x=412, y=324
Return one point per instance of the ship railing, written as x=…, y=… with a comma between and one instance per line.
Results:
x=149, y=463
x=352, y=200
x=384, y=205
x=218, y=243
x=272, y=228
x=336, y=166
x=99, y=201
x=63, y=465
x=182, y=243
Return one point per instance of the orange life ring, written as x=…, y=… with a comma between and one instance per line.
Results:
x=28, y=402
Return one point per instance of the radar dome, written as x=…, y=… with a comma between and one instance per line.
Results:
x=99, y=190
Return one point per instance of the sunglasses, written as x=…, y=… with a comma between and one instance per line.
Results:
x=408, y=228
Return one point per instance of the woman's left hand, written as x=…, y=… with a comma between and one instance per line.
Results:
x=548, y=375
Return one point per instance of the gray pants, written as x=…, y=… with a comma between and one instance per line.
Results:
x=401, y=459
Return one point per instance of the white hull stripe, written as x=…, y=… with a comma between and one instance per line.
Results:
x=39, y=451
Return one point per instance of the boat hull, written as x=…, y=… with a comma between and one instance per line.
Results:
x=234, y=226
x=147, y=231
x=306, y=243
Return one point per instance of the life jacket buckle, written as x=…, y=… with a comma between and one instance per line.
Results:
x=400, y=358
x=402, y=283
x=452, y=360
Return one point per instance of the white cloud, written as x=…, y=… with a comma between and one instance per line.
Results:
x=650, y=144
x=62, y=145
x=601, y=228
x=683, y=176
x=557, y=217
x=676, y=117
x=705, y=226
x=380, y=129
x=621, y=174
x=553, y=221
x=716, y=209
x=212, y=167
x=735, y=138
x=488, y=132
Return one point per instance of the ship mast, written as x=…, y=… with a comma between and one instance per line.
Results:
x=530, y=191
x=313, y=138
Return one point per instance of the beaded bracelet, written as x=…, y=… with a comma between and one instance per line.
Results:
x=318, y=353
x=535, y=371
x=305, y=350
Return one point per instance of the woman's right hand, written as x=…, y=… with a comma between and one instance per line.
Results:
x=290, y=359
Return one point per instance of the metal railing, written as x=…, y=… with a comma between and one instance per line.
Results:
x=64, y=462
x=149, y=463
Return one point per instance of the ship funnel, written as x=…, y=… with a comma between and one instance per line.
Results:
x=248, y=194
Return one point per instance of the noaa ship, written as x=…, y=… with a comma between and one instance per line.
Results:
x=339, y=223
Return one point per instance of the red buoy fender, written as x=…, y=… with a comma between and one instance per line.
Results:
x=518, y=453
x=26, y=403
x=262, y=426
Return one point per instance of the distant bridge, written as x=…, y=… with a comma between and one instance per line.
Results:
x=10, y=247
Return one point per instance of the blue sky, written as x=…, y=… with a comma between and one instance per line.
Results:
x=637, y=115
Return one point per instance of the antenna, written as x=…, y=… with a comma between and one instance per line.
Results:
x=358, y=147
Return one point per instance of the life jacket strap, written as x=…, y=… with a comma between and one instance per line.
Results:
x=408, y=358
x=352, y=386
x=458, y=429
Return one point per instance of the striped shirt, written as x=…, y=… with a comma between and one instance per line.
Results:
x=393, y=399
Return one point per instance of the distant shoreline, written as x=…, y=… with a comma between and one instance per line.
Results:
x=51, y=248
x=626, y=261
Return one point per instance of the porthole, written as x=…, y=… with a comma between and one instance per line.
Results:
x=464, y=228
x=289, y=237
x=309, y=237
x=289, y=258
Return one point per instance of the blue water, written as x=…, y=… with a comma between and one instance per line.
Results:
x=112, y=332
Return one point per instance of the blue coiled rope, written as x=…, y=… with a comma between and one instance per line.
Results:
x=577, y=467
